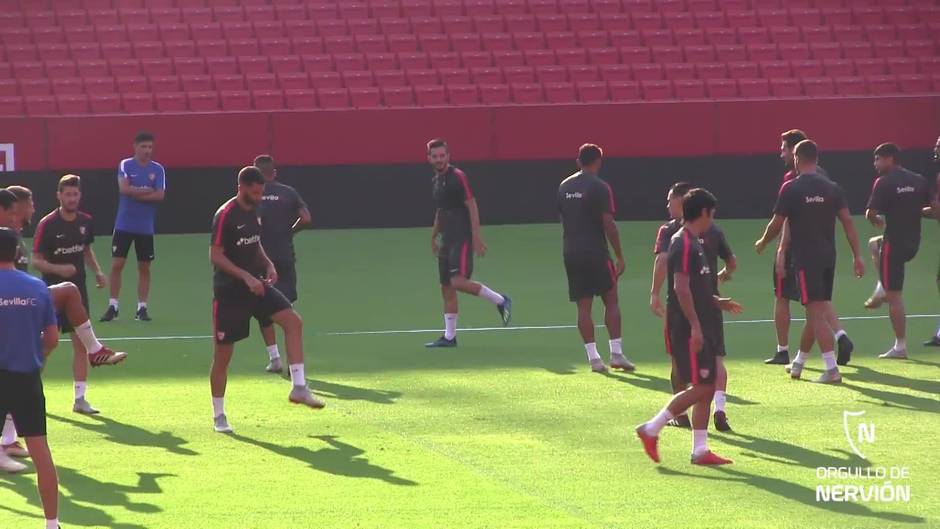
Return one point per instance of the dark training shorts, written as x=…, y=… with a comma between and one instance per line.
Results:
x=695, y=367
x=143, y=245
x=21, y=396
x=589, y=276
x=786, y=287
x=455, y=259
x=891, y=267
x=815, y=284
x=233, y=308
x=62, y=318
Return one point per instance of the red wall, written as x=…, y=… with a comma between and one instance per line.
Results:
x=482, y=133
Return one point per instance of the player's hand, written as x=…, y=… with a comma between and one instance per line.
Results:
x=730, y=305
x=656, y=306
x=479, y=247
x=254, y=285
x=724, y=276
x=435, y=248
x=859, y=267
x=760, y=245
x=780, y=263
x=620, y=266
x=697, y=340
x=69, y=270
x=878, y=221
x=100, y=280
x=271, y=275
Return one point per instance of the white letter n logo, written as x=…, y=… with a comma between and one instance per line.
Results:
x=865, y=432
x=7, y=162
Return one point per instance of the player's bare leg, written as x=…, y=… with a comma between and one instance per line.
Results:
x=612, y=320
x=143, y=290
x=681, y=420
x=293, y=327
x=270, y=343
x=782, y=327
x=67, y=299
x=699, y=395
x=899, y=324
x=586, y=329
x=8, y=442
x=844, y=345
x=816, y=316
x=721, y=385
x=878, y=296
x=503, y=302
x=807, y=339
x=47, y=480
x=451, y=310
x=80, y=376
x=114, y=279
x=218, y=379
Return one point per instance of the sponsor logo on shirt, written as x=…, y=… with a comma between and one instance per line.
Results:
x=69, y=250
x=815, y=200
x=254, y=239
x=271, y=197
x=18, y=302
x=908, y=189
x=576, y=194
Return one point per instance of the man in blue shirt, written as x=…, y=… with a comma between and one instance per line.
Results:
x=30, y=333
x=142, y=184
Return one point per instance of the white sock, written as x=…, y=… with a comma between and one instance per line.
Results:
x=493, y=297
x=273, y=353
x=783, y=348
x=297, y=375
x=937, y=334
x=879, y=290
x=87, y=336
x=450, y=326
x=9, y=432
x=699, y=442
x=829, y=359
x=657, y=423
x=52, y=524
x=591, y=349
x=800, y=357
x=616, y=346
x=80, y=390
x=719, y=401
x=141, y=305
x=840, y=334
x=900, y=344
x=218, y=406
x=114, y=303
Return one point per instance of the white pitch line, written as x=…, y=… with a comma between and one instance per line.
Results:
x=485, y=329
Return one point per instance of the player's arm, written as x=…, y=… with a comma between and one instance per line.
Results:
x=145, y=194
x=852, y=235
x=91, y=260
x=304, y=220
x=613, y=237
x=727, y=255
x=478, y=245
x=771, y=232
x=270, y=269
x=659, y=277
x=435, y=231
x=45, y=267
x=687, y=305
x=223, y=263
x=875, y=218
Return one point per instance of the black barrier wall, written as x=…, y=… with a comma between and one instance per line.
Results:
x=508, y=192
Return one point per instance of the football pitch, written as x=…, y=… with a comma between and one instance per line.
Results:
x=510, y=430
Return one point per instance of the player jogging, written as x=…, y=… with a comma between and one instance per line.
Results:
x=283, y=213
x=809, y=205
x=692, y=330
x=898, y=201
x=934, y=340
x=586, y=204
x=457, y=222
x=243, y=289
x=715, y=245
x=142, y=185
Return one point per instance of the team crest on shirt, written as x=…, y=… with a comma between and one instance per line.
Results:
x=220, y=336
x=703, y=373
x=153, y=176
x=81, y=229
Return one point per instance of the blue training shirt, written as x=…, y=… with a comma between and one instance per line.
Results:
x=135, y=216
x=25, y=312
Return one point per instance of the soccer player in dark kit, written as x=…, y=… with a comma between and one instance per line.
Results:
x=693, y=335
x=587, y=208
x=898, y=200
x=243, y=288
x=457, y=223
x=283, y=213
x=934, y=212
x=809, y=204
x=716, y=246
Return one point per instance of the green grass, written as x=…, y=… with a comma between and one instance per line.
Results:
x=509, y=430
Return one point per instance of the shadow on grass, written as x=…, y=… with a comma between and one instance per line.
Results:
x=792, y=492
x=81, y=496
x=653, y=383
x=896, y=400
x=332, y=390
x=130, y=435
x=336, y=458
x=789, y=454
x=923, y=362
x=865, y=374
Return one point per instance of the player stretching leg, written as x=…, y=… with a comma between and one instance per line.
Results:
x=243, y=285
x=457, y=221
x=692, y=334
x=587, y=209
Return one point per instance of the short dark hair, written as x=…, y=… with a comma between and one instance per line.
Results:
x=792, y=137
x=21, y=192
x=143, y=136
x=70, y=180
x=589, y=153
x=9, y=242
x=437, y=142
x=888, y=150
x=679, y=189
x=7, y=199
x=807, y=151
x=250, y=175
x=263, y=159
x=696, y=202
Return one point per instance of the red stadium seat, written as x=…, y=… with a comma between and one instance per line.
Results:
x=839, y=67
x=913, y=84
x=419, y=77
x=268, y=99
x=92, y=50
x=616, y=72
x=454, y=76
x=571, y=56
x=783, y=87
x=920, y=48
x=298, y=29
x=550, y=74
x=8, y=87
x=635, y=54
x=902, y=66
x=171, y=102
x=413, y=60
x=364, y=98
x=181, y=48
x=709, y=19
x=667, y=54
x=740, y=19
x=203, y=101
x=294, y=80
x=927, y=65
x=339, y=44
x=870, y=67
x=92, y=68
x=430, y=95
x=819, y=86
x=398, y=96
x=856, y=50
x=657, y=37
x=185, y=66
x=721, y=88
x=754, y=88
x=690, y=37
x=753, y=35
x=463, y=95
x=159, y=84
x=775, y=69
x=61, y=69
x=825, y=50
x=391, y=78
x=52, y=52
x=457, y=24
x=785, y=35
x=301, y=99
x=137, y=103
x=41, y=105
x=882, y=85
x=657, y=90
x=889, y=49
x=35, y=87
x=743, y=70
x=548, y=22
x=504, y=59
x=679, y=20
x=444, y=59
x=495, y=94
x=731, y=53
x=762, y=52
x=620, y=39
x=698, y=54
x=679, y=71
x=527, y=93
x=228, y=83
x=12, y=106
x=807, y=68
x=621, y=91
x=647, y=72
x=816, y=34
x=689, y=89
x=519, y=74
x=794, y=52
x=105, y=103
x=582, y=73
x=325, y=80
x=257, y=81
x=851, y=86
x=559, y=92
x=716, y=70
x=349, y=62
x=193, y=83
x=616, y=22
x=592, y=92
